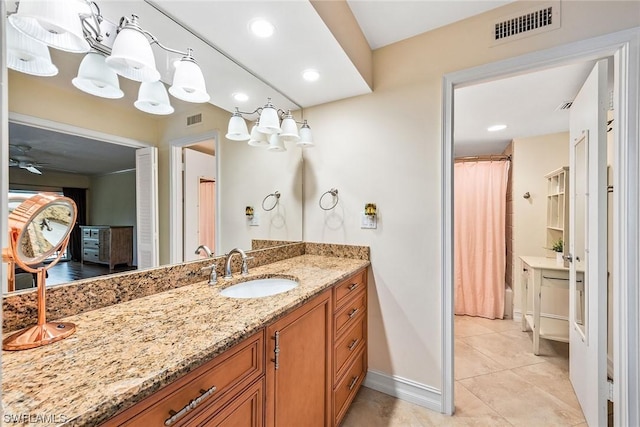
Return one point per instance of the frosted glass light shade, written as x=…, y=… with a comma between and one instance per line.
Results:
x=55, y=23
x=306, y=138
x=153, y=98
x=275, y=143
x=95, y=78
x=188, y=82
x=289, y=129
x=132, y=57
x=27, y=55
x=258, y=139
x=237, y=130
x=269, y=121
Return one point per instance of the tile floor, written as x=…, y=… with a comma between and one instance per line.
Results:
x=499, y=382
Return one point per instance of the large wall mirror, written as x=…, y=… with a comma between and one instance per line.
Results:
x=64, y=140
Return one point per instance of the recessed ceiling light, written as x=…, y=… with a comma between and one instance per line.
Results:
x=262, y=28
x=310, y=75
x=240, y=97
x=496, y=128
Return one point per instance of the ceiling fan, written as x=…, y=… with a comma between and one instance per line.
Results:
x=23, y=161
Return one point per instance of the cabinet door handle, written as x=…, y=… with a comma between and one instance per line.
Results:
x=353, y=344
x=193, y=404
x=353, y=382
x=353, y=312
x=353, y=286
x=276, y=349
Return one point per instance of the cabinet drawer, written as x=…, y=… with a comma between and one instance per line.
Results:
x=90, y=255
x=350, y=344
x=244, y=410
x=346, y=389
x=349, y=287
x=353, y=309
x=91, y=243
x=210, y=384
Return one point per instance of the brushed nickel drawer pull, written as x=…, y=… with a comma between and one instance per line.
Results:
x=353, y=286
x=175, y=416
x=353, y=344
x=353, y=312
x=276, y=350
x=353, y=382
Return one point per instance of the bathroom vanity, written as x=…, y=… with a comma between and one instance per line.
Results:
x=190, y=356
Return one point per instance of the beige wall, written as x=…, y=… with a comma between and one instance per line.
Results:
x=385, y=148
x=535, y=157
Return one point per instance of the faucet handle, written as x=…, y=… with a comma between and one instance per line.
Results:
x=245, y=265
x=213, y=277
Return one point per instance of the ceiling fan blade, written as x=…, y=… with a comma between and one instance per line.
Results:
x=13, y=162
x=33, y=169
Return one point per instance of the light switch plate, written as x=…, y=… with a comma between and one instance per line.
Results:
x=254, y=221
x=368, y=221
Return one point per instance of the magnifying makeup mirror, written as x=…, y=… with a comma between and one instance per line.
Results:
x=39, y=230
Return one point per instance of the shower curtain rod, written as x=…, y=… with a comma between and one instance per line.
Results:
x=483, y=158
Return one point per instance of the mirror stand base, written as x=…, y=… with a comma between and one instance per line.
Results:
x=38, y=335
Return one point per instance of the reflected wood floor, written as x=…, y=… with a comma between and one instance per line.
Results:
x=68, y=271
x=498, y=382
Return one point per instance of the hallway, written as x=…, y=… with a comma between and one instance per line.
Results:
x=499, y=382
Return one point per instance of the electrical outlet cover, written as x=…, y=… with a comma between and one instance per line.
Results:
x=368, y=221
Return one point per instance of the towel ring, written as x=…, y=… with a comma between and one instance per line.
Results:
x=276, y=196
x=334, y=193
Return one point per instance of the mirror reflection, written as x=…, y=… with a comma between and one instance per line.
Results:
x=45, y=233
x=52, y=125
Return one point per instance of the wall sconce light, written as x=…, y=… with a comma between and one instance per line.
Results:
x=370, y=209
x=273, y=124
x=248, y=211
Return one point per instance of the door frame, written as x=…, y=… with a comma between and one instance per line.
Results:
x=176, y=241
x=624, y=46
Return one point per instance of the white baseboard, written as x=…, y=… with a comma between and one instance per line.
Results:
x=405, y=389
x=517, y=315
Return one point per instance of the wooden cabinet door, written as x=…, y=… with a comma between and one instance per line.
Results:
x=299, y=366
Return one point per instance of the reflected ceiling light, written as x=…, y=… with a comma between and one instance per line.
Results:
x=276, y=144
x=95, y=78
x=306, y=138
x=153, y=98
x=27, y=55
x=271, y=121
x=257, y=138
x=496, y=128
x=54, y=23
x=78, y=26
x=240, y=97
x=237, y=129
x=310, y=75
x=262, y=28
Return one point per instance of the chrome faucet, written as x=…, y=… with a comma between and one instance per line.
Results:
x=227, y=263
x=205, y=249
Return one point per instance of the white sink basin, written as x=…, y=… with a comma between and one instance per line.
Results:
x=258, y=288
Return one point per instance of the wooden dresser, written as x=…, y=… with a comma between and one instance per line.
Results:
x=105, y=244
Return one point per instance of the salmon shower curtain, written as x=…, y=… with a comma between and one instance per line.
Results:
x=480, y=190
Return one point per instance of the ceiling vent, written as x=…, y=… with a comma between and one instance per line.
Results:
x=524, y=24
x=564, y=105
x=194, y=120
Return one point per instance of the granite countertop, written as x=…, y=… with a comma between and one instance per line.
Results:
x=122, y=353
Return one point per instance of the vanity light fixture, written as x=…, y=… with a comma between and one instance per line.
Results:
x=153, y=99
x=78, y=26
x=271, y=122
x=28, y=55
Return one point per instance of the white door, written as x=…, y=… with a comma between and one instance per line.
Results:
x=587, y=246
x=197, y=166
x=147, y=207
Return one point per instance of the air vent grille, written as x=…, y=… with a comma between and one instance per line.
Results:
x=194, y=120
x=533, y=21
